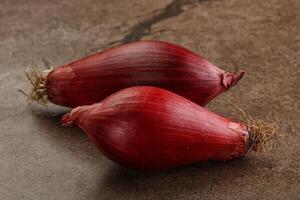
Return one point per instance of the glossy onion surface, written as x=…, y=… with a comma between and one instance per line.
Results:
x=152, y=128
x=144, y=63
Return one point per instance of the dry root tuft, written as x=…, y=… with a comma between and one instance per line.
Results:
x=38, y=82
x=262, y=134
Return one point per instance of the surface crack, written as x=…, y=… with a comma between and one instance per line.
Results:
x=171, y=10
x=175, y=8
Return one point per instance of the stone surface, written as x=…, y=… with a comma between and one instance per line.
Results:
x=42, y=160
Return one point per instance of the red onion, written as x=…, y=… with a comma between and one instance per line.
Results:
x=144, y=63
x=152, y=128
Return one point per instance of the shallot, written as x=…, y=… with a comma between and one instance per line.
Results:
x=144, y=63
x=151, y=128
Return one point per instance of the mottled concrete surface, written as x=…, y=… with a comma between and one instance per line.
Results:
x=39, y=159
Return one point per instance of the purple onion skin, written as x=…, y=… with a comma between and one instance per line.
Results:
x=144, y=63
x=150, y=128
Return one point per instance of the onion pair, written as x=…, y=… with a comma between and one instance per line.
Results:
x=147, y=127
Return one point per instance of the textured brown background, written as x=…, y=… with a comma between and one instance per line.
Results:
x=39, y=159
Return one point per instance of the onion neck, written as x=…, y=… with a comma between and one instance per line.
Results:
x=249, y=143
x=74, y=116
x=230, y=79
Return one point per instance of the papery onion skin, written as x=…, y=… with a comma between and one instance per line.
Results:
x=143, y=63
x=151, y=128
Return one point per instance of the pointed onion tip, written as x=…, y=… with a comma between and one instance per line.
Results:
x=237, y=76
x=230, y=79
x=67, y=120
